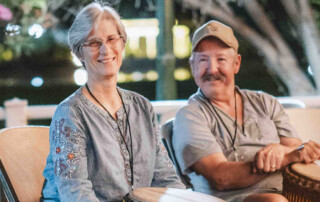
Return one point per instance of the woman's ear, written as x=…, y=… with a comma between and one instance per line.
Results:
x=83, y=64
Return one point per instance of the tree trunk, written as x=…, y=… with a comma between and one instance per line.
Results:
x=292, y=73
x=301, y=14
x=278, y=57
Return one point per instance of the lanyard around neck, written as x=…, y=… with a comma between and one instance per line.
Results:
x=128, y=124
x=233, y=139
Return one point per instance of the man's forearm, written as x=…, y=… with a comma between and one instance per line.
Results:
x=234, y=175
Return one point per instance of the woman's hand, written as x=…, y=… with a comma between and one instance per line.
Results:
x=269, y=159
x=306, y=153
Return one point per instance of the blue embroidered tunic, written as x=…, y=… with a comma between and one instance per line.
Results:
x=88, y=159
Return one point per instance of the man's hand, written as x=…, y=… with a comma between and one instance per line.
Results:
x=306, y=153
x=269, y=159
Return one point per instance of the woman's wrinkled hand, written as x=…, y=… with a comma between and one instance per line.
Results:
x=305, y=153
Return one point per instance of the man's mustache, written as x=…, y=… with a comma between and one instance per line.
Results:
x=217, y=76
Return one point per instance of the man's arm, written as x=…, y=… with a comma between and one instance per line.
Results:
x=290, y=142
x=271, y=157
x=223, y=174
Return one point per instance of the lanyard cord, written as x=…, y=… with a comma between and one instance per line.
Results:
x=128, y=124
x=233, y=139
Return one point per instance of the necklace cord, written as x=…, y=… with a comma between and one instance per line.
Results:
x=122, y=136
x=236, y=119
x=233, y=139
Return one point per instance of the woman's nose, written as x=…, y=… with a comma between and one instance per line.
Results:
x=104, y=48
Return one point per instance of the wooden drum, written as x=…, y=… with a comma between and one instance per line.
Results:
x=301, y=182
x=156, y=194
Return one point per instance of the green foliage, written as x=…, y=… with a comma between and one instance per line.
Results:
x=25, y=13
x=315, y=4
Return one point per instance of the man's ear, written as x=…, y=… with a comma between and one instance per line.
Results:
x=191, y=63
x=237, y=64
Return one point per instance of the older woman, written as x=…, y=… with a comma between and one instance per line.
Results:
x=104, y=141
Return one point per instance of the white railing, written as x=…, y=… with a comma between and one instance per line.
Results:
x=17, y=112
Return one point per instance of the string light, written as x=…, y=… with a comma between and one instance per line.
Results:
x=37, y=82
x=80, y=77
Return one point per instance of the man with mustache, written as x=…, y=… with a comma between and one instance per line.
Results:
x=232, y=143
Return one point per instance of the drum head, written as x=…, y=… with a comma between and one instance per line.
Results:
x=311, y=171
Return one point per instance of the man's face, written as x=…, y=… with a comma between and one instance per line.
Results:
x=214, y=67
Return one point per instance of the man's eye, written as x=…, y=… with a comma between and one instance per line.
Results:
x=203, y=60
x=221, y=59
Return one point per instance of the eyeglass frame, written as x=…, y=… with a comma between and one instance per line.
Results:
x=102, y=41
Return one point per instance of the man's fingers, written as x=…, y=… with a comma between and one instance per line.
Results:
x=259, y=161
x=267, y=162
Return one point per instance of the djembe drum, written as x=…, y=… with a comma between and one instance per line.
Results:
x=301, y=182
x=156, y=194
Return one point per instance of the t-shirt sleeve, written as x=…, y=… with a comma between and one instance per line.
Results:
x=192, y=137
x=279, y=117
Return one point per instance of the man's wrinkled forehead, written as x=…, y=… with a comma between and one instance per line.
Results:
x=202, y=54
x=208, y=53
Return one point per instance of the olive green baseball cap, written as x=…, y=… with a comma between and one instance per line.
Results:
x=218, y=30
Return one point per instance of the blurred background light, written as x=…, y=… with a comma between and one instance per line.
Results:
x=182, y=74
x=7, y=55
x=37, y=82
x=181, y=41
x=152, y=75
x=142, y=31
x=142, y=37
x=310, y=70
x=35, y=30
x=80, y=76
x=141, y=27
x=75, y=60
x=137, y=76
x=12, y=29
x=122, y=77
x=5, y=13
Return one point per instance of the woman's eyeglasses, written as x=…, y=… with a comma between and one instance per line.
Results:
x=95, y=44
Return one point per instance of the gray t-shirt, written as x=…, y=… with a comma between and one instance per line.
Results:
x=199, y=131
x=88, y=159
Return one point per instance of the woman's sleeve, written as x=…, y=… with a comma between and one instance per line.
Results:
x=68, y=142
x=164, y=173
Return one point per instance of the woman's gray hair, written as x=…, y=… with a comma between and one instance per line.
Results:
x=85, y=21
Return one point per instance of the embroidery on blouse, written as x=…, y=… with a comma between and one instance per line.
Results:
x=163, y=152
x=66, y=149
